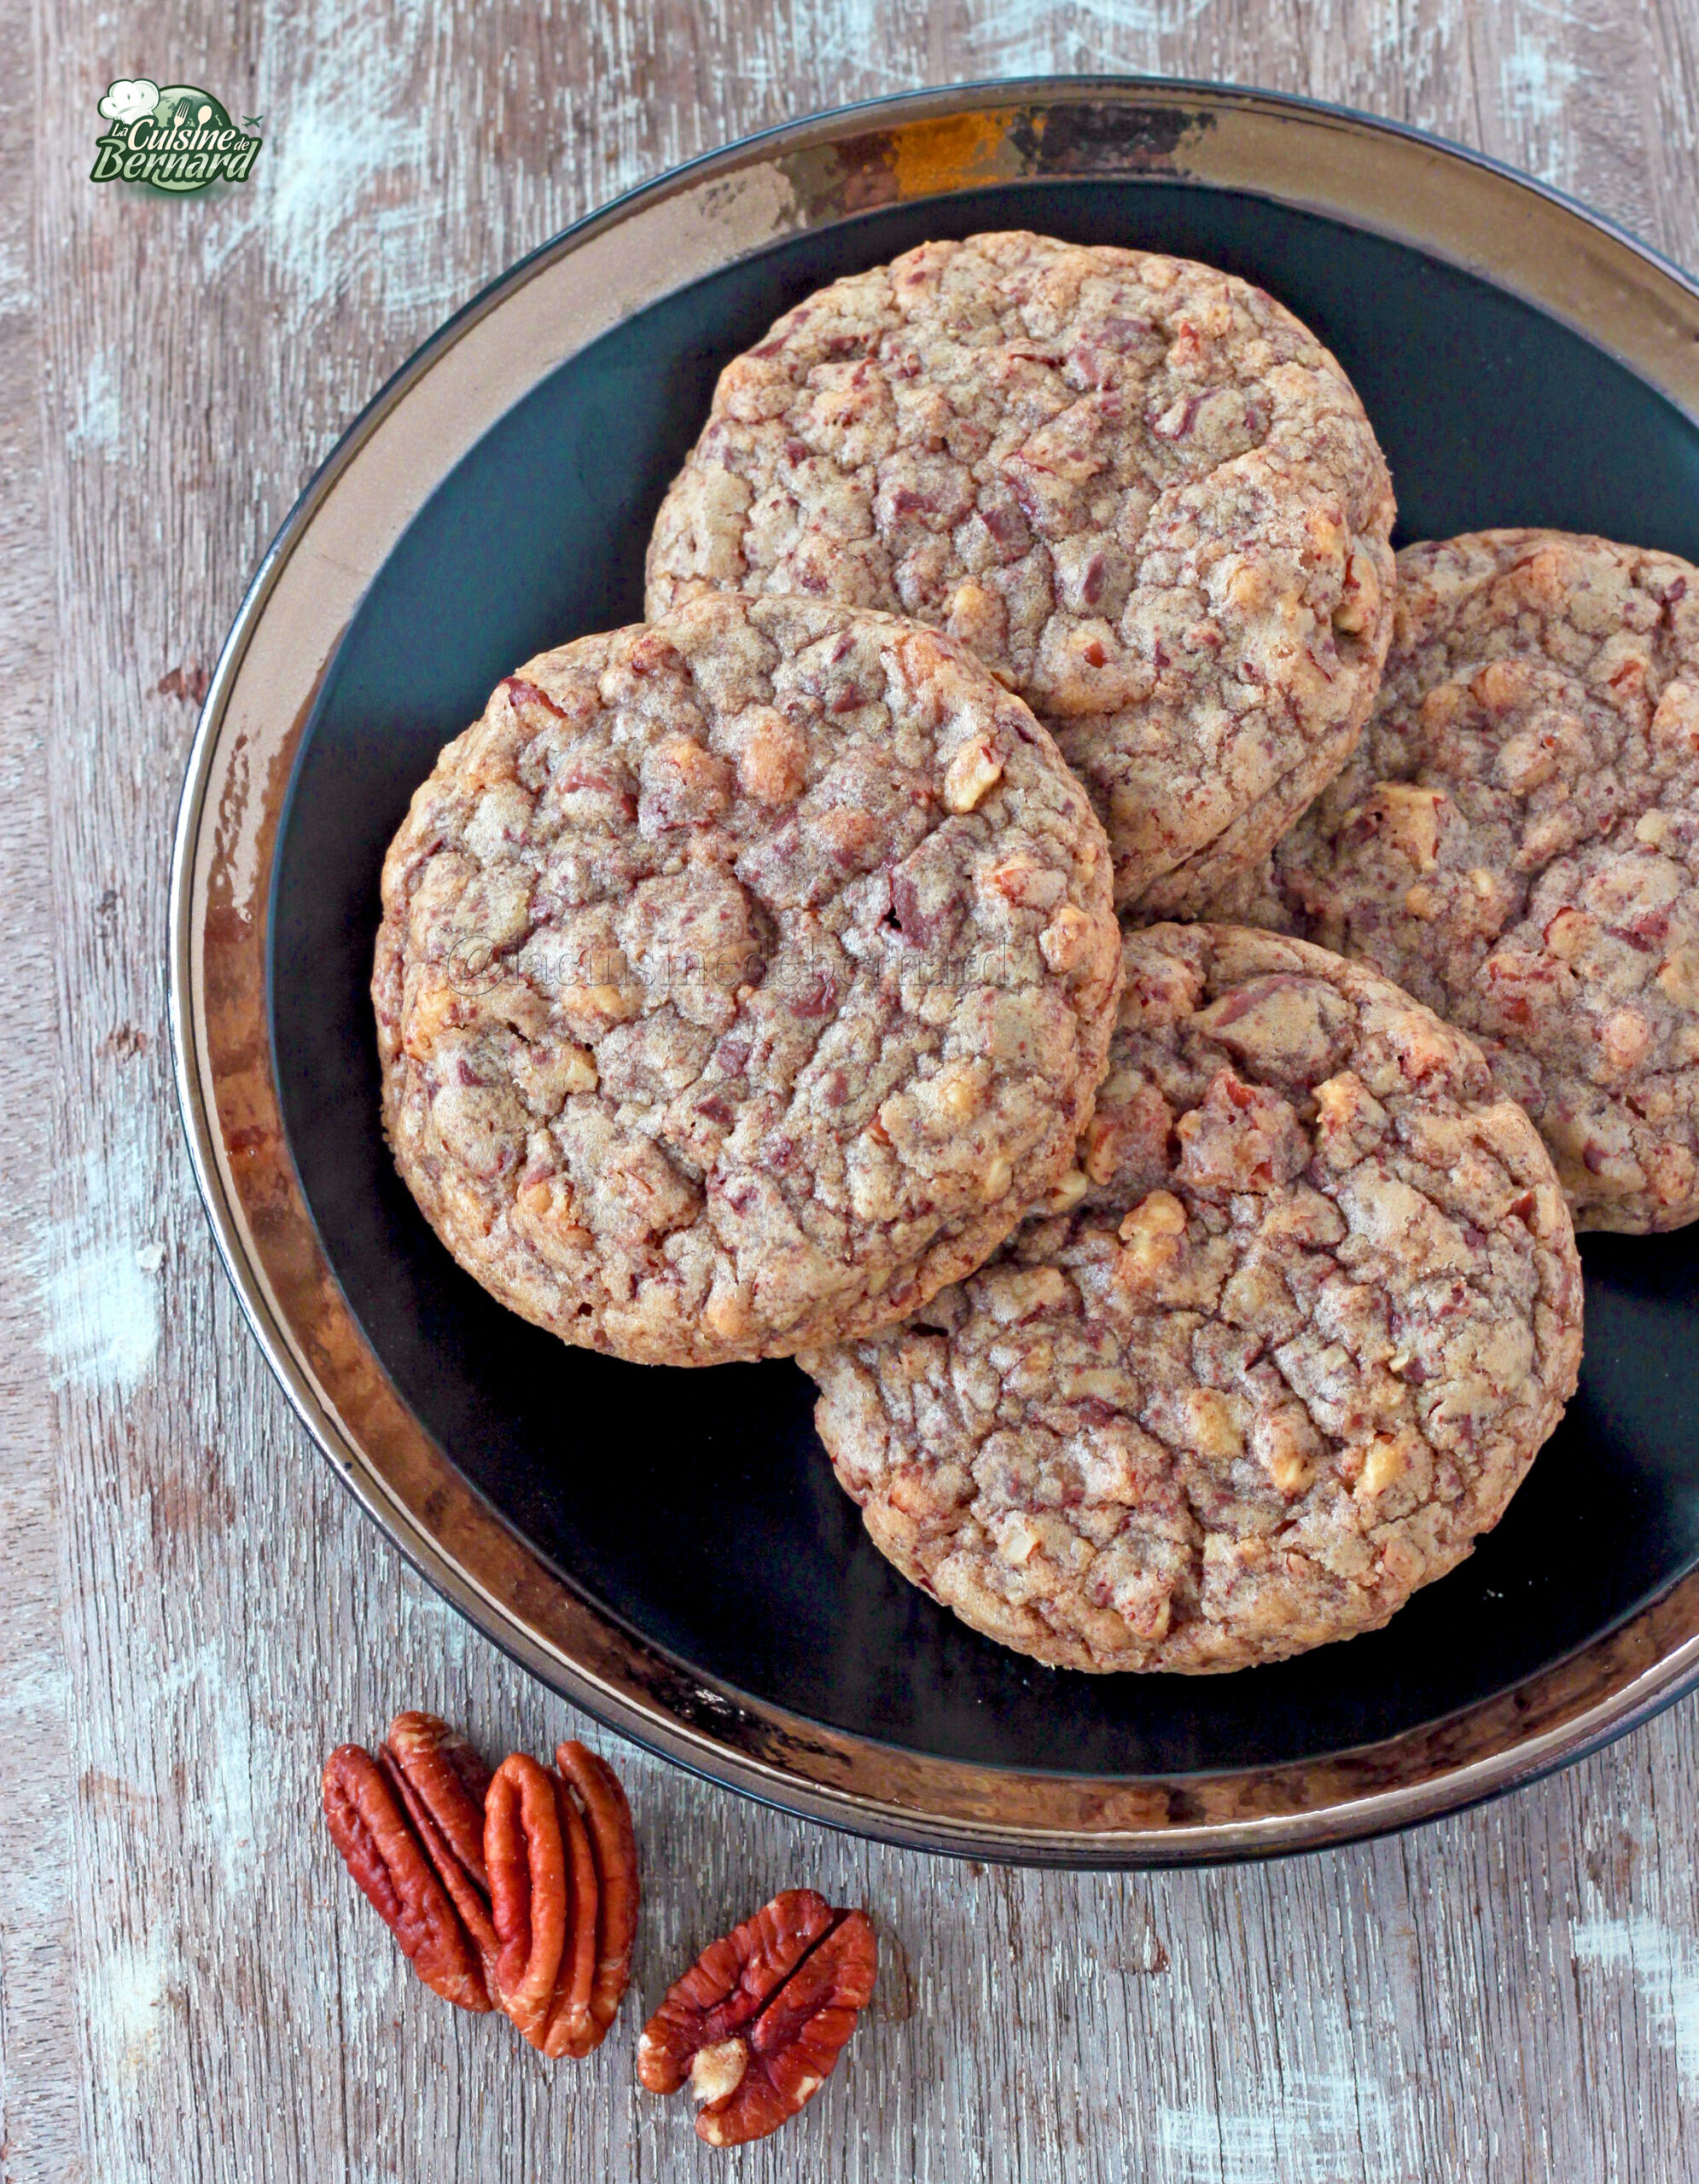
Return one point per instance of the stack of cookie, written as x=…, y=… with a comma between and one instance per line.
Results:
x=798, y=974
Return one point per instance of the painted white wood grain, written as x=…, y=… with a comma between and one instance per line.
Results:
x=190, y=1611
x=38, y=2123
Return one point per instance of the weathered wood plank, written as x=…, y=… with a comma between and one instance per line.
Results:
x=38, y=2123
x=194, y=1613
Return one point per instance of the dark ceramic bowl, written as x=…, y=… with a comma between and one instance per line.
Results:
x=669, y=1549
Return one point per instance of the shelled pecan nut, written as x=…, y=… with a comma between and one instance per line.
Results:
x=547, y=1905
x=757, y=2022
x=516, y=1889
x=369, y=1825
x=525, y=1849
x=442, y=1782
x=449, y=1779
x=592, y=1784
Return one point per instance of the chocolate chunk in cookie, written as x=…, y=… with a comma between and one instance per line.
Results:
x=1516, y=841
x=1287, y=1345
x=742, y=979
x=1137, y=487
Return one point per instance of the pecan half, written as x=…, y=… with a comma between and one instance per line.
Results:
x=757, y=2023
x=543, y=1897
x=369, y=1826
x=450, y=1779
x=442, y=1782
x=592, y=1784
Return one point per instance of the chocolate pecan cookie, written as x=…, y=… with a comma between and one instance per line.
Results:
x=741, y=980
x=1516, y=841
x=1315, y=1307
x=1137, y=487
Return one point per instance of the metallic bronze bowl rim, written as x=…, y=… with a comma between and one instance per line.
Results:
x=1449, y=202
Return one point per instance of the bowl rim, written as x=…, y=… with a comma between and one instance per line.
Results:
x=1452, y=203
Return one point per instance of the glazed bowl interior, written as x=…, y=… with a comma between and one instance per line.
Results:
x=695, y=1510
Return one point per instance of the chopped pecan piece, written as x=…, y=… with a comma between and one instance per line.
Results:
x=757, y=2023
x=368, y=1824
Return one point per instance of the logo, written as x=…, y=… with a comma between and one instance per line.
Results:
x=177, y=139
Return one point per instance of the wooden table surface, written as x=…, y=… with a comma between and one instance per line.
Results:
x=192, y=1611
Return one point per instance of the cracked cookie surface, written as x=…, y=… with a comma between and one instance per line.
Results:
x=1516, y=842
x=742, y=979
x=1137, y=487
x=1316, y=1305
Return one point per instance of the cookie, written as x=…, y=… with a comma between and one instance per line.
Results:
x=1137, y=487
x=1316, y=1305
x=742, y=979
x=1516, y=841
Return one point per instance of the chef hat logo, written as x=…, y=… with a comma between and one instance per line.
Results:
x=127, y=100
